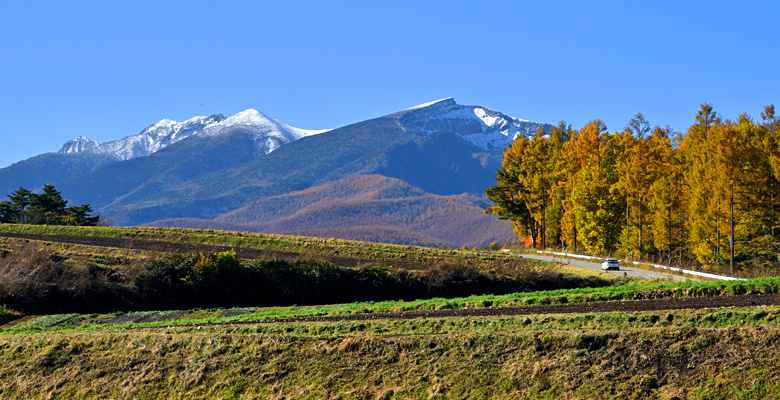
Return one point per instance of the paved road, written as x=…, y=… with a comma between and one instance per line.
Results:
x=629, y=271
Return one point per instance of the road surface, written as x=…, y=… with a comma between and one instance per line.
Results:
x=631, y=272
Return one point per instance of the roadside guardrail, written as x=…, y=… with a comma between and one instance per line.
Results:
x=683, y=271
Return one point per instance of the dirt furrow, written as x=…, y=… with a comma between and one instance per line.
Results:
x=576, y=308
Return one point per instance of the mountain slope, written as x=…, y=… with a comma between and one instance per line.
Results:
x=83, y=160
x=367, y=207
x=440, y=162
x=295, y=166
x=143, y=177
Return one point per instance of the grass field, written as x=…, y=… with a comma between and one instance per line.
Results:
x=636, y=290
x=261, y=353
x=280, y=243
x=723, y=354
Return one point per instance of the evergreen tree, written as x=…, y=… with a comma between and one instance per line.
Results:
x=48, y=207
x=14, y=210
x=7, y=215
x=79, y=216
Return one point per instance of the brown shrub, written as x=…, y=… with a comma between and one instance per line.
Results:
x=35, y=280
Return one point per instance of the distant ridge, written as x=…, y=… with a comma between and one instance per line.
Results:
x=166, y=132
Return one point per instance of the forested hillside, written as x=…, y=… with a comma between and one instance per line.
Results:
x=367, y=207
x=709, y=194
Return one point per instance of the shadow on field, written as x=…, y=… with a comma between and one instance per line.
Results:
x=38, y=281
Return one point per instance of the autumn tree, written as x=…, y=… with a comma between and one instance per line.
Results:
x=576, y=154
x=509, y=193
x=559, y=136
x=598, y=204
x=667, y=194
x=731, y=181
x=638, y=171
x=710, y=194
x=698, y=151
x=537, y=179
x=750, y=187
x=526, y=184
x=771, y=125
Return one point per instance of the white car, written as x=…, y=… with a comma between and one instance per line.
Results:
x=610, y=263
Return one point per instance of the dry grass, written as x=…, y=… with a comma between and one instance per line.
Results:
x=31, y=276
x=629, y=364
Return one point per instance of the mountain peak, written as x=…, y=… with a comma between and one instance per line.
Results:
x=487, y=129
x=449, y=101
x=263, y=126
x=77, y=145
x=249, y=117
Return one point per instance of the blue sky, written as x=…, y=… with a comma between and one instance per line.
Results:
x=108, y=69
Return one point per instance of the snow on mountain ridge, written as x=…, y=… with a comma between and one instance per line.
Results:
x=77, y=145
x=269, y=135
x=155, y=137
x=274, y=127
x=488, y=129
x=447, y=101
x=485, y=128
x=248, y=117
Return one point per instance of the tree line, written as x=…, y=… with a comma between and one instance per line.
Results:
x=709, y=194
x=47, y=208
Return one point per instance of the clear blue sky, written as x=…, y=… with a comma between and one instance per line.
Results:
x=108, y=69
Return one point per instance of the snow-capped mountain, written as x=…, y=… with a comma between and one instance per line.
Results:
x=485, y=128
x=257, y=120
x=269, y=135
x=488, y=129
x=150, y=140
x=78, y=145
